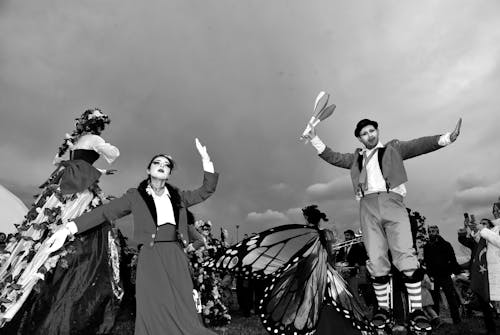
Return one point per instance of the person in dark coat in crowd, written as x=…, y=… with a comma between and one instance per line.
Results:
x=354, y=257
x=245, y=295
x=441, y=263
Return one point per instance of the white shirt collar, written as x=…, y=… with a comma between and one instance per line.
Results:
x=378, y=146
x=150, y=191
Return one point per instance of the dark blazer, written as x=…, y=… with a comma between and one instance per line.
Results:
x=356, y=255
x=440, y=259
x=138, y=202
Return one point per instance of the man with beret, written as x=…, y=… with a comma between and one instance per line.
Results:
x=378, y=177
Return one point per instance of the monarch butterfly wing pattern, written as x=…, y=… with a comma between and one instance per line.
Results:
x=293, y=297
x=345, y=302
x=265, y=253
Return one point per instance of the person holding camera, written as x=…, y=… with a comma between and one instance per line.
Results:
x=478, y=238
x=492, y=237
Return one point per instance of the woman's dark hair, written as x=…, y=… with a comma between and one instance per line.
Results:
x=172, y=163
x=313, y=215
x=490, y=224
x=89, y=123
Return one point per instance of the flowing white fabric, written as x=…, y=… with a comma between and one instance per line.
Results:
x=30, y=275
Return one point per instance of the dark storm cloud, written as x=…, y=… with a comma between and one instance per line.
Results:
x=477, y=196
x=242, y=76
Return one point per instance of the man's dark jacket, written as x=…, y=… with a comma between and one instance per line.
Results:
x=440, y=258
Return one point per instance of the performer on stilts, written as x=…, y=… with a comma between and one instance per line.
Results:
x=378, y=176
x=77, y=290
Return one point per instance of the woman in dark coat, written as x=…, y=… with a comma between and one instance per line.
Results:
x=164, y=290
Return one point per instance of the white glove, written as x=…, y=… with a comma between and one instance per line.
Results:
x=202, y=150
x=207, y=163
x=56, y=241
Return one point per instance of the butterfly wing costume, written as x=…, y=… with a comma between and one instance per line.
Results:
x=292, y=261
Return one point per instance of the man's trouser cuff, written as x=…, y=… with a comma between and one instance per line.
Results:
x=416, y=277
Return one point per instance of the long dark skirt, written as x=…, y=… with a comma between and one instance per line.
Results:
x=164, y=293
x=81, y=296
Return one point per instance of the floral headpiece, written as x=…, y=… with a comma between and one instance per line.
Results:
x=91, y=121
x=200, y=224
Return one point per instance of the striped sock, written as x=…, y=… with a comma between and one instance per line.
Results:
x=414, y=295
x=383, y=295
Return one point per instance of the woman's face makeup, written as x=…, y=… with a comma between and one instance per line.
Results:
x=160, y=168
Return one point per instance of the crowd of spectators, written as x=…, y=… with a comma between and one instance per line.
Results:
x=443, y=274
x=469, y=289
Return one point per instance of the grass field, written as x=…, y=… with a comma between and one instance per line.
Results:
x=241, y=325
x=252, y=326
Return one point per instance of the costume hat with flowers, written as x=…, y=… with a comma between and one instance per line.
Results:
x=91, y=121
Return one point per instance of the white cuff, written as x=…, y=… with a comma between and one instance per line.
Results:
x=208, y=166
x=444, y=140
x=71, y=226
x=318, y=144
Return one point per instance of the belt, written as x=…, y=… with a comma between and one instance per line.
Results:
x=376, y=194
x=152, y=243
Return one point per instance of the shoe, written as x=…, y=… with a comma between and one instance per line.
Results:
x=381, y=318
x=419, y=321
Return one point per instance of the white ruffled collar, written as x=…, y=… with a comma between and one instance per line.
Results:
x=151, y=192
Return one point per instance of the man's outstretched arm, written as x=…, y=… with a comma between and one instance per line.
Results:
x=343, y=160
x=423, y=145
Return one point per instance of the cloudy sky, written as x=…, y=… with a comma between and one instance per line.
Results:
x=242, y=76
